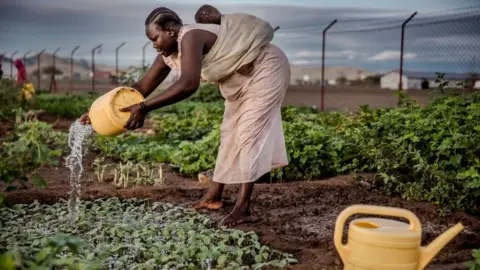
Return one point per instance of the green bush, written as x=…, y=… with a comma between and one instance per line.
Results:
x=186, y=121
x=133, y=146
x=73, y=106
x=207, y=93
x=426, y=154
x=193, y=157
x=9, y=91
x=69, y=106
x=33, y=144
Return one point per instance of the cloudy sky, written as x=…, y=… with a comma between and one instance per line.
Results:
x=443, y=36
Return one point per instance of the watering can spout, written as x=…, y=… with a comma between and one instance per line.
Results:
x=427, y=253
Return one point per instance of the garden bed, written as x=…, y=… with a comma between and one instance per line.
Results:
x=414, y=154
x=296, y=218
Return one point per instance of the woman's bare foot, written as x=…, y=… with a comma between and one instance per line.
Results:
x=205, y=203
x=211, y=200
x=241, y=211
x=236, y=217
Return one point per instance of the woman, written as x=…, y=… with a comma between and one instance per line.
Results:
x=27, y=91
x=21, y=72
x=253, y=77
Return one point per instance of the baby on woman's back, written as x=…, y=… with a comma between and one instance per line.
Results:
x=208, y=14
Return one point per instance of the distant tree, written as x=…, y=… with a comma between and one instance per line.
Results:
x=372, y=80
x=357, y=82
x=473, y=76
x=470, y=81
x=342, y=81
x=35, y=73
x=425, y=85
x=50, y=70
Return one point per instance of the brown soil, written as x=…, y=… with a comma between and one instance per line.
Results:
x=6, y=127
x=298, y=218
x=59, y=123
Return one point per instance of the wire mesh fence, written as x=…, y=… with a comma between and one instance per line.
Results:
x=362, y=60
x=444, y=43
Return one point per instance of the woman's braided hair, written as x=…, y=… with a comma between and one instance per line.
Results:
x=208, y=14
x=163, y=17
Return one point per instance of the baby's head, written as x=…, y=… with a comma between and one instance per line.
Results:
x=208, y=14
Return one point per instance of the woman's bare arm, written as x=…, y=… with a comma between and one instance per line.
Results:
x=147, y=84
x=155, y=75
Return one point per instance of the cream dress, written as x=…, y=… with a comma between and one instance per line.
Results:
x=252, y=140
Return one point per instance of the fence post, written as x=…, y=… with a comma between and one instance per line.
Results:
x=93, y=66
x=25, y=57
x=116, y=61
x=11, y=64
x=71, y=67
x=1, y=60
x=400, y=84
x=322, y=91
x=53, y=82
x=143, y=54
x=38, y=68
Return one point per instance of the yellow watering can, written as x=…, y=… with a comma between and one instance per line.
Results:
x=105, y=114
x=381, y=244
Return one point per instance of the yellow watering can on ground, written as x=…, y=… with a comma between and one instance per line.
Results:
x=105, y=114
x=384, y=244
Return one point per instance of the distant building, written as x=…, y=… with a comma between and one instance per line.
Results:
x=416, y=79
x=101, y=75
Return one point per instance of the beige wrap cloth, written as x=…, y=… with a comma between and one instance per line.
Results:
x=251, y=136
x=240, y=40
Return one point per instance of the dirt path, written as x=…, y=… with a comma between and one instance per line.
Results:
x=294, y=217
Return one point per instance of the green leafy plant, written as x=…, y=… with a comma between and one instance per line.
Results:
x=58, y=252
x=420, y=153
x=33, y=144
x=133, y=234
x=475, y=263
x=8, y=97
x=69, y=106
x=188, y=121
x=207, y=92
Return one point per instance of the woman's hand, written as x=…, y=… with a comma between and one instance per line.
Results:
x=84, y=119
x=137, y=117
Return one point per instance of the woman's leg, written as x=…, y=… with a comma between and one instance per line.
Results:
x=212, y=199
x=241, y=211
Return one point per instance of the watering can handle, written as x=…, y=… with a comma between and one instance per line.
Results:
x=372, y=210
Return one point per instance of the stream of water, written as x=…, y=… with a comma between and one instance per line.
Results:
x=77, y=135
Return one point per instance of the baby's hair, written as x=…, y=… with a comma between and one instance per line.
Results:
x=163, y=17
x=208, y=14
